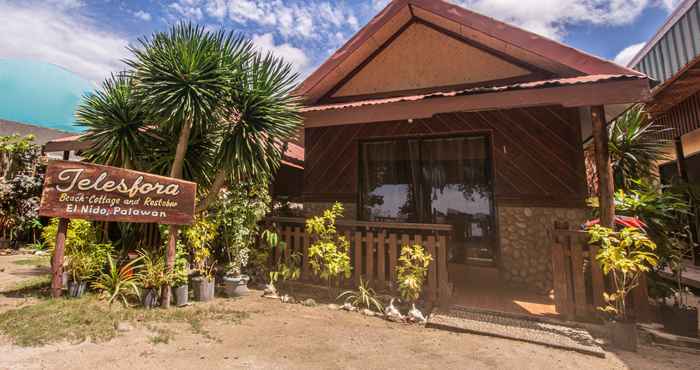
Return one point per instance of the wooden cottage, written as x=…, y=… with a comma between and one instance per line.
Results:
x=440, y=126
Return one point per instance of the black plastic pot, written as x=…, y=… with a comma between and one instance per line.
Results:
x=681, y=321
x=149, y=298
x=76, y=288
x=623, y=335
x=180, y=295
x=203, y=289
x=236, y=286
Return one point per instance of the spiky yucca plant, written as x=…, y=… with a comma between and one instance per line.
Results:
x=636, y=146
x=115, y=122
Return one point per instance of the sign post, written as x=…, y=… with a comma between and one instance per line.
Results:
x=103, y=193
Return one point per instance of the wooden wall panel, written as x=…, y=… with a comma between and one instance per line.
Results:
x=683, y=118
x=538, y=158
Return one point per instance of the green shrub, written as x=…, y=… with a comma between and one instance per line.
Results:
x=80, y=235
x=200, y=236
x=624, y=255
x=328, y=253
x=412, y=271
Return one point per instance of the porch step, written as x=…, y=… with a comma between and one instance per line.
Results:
x=516, y=327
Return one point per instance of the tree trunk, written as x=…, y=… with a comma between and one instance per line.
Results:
x=175, y=172
x=606, y=187
x=213, y=194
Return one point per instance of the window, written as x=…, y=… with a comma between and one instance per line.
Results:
x=441, y=180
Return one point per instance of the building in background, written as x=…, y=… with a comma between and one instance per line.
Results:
x=672, y=59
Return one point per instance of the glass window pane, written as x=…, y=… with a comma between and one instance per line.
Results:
x=387, y=188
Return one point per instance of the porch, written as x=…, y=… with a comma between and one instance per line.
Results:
x=375, y=246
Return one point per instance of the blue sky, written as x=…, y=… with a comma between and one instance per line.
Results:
x=89, y=37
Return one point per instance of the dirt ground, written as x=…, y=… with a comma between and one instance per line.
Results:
x=292, y=336
x=12, y=273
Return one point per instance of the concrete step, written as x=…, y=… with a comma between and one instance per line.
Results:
x=515, y=327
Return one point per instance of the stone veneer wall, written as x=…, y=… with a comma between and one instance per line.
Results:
x=317, y=208
x=525, y=247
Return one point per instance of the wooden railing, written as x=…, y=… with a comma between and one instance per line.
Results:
x=579, y=282
x=374, y=250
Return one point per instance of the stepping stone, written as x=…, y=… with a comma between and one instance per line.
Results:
x=515, y=327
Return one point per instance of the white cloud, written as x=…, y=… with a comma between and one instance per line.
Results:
x=626, y=55
x=550, y=18
x=291, y=54
x=188, y=9
x=55, y=35
x=670, y=5
x=144, y=16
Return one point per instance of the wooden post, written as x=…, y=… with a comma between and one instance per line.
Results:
x=57, y=259
x=173, y=232
x=606, y=187
x=680, y=160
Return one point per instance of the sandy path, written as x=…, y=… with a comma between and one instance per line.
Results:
x=288, y=336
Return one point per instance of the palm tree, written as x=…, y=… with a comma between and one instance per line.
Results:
x=260, y=115
x=114, y=122
x=182, y=76
x=636, y=146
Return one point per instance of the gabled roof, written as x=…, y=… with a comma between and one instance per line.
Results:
x=558, y=59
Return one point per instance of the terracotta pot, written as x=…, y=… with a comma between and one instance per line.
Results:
x=236, y=286
x=203, y=289
x=76, y=288
x=181, y=295
x=681, y=321
x=623, y=335
x=149, y=298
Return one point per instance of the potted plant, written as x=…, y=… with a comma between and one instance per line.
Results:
x=235, y=283
x=179, y=278
x=328, y=253
x=680, y=318
x=152, y=277
x=624, y=256
x=199, y=237
x=81, y=267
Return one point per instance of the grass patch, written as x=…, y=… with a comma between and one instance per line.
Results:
x=162, y=335
x=88, y=318
x=34, y=261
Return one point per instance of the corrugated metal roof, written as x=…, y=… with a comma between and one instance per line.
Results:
x=674, y=45
x=480, y=90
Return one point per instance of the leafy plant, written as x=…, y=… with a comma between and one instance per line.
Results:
x=86, y=263
x=624, y=255
x=681, y=244
x=118, y=283
x=200, y=236
x=80, y=235
x=21, y=179
x=181, y=268
x=328, y=253
x=152, y=274
x=364, y=297
x=239, y=211
x=412, y=270
x=287, y=270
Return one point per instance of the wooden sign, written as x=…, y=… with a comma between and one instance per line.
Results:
x=102, y=193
